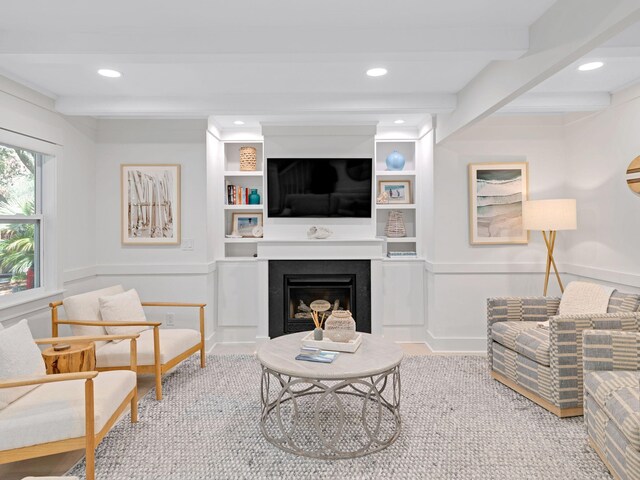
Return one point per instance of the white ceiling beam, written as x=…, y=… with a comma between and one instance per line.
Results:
x=543, y=102
x=256, y=104
x=266, y=40
x=567, y=31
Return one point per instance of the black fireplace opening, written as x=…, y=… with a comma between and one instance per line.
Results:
x=294, y=285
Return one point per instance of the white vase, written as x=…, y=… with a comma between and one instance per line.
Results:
x=340, y=326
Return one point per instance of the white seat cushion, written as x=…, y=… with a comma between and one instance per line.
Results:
x=173, y=342
x=87, y=307
x=55, y=411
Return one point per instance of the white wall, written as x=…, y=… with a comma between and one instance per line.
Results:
x=460, y=276
x=159, y=273
x=599, y=150
x=30, y=113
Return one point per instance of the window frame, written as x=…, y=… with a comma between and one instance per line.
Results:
x=46, y=214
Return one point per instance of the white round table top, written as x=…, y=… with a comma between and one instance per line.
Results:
x=374, y=356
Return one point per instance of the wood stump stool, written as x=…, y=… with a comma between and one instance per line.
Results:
x=81, y=357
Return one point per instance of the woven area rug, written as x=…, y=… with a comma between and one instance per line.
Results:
x=457, y=424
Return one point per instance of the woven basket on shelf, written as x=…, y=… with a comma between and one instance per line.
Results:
x=247, y=158
x=395, y=225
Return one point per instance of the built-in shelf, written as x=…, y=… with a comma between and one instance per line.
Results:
x=402, y=259
x=396, y=206
x=240, y=240
x=243, y=207
x=242, y=173
x=395, y=173
x=401, y=239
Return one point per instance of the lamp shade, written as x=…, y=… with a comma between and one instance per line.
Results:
x=557, y=214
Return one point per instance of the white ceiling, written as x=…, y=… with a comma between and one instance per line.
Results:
x=292, y=58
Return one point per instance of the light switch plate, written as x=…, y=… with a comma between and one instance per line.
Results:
x=187, y=245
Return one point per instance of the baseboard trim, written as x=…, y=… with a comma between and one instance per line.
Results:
x=473, y=345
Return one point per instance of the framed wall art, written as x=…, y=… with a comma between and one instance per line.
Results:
x=398, y=191
x=247, y=224
x=150, y=210
x=496, y=193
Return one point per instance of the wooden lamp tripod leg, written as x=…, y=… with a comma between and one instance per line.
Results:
x=551, y=243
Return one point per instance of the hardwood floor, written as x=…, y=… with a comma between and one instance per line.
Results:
x=57, y=465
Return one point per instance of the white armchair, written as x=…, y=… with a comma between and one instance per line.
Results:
x=67, y=411
x=159, y=350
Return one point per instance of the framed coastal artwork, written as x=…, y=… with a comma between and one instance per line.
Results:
x=398, y=191
x=247, y=224
x=496, y=193
x=150, y=210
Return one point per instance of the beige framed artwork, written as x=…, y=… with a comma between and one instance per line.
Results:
x=496, y=193
x=398, y=191
x=150, y=210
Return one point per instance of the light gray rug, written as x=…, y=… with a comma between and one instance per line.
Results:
x=457, y=424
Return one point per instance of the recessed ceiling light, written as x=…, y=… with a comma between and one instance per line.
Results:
x=238, y=122
x=399, y=122
x=585, y=67
x=107, y=72
x=377, y=72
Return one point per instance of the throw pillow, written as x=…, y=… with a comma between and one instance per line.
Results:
x=123, y=307
x=19, y=357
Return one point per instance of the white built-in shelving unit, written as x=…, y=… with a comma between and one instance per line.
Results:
x=411, y=214
x=232, y=175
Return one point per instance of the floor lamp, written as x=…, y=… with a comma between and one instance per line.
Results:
x=549, y=216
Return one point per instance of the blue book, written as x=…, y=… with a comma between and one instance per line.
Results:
x=316, y=355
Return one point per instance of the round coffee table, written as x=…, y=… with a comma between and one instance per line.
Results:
x=345, y=409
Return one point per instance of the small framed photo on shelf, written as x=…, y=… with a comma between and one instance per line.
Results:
x=247, y=224
x=398, y=191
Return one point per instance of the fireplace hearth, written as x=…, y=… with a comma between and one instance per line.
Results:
x=294, y=284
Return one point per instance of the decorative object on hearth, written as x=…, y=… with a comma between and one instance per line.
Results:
x=318, y=233
x=496, y=193
x=244, y=223
x=633, y=175
x=254, y=197
x=395, y=225
x=395, y=161
x=398, y=191
x=340, y=326
x=248, y=159
x=549, y=216
x=383, y=198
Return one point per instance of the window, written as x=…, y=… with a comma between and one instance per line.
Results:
x=20, y=220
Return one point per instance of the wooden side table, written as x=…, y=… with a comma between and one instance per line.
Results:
x=81, y=357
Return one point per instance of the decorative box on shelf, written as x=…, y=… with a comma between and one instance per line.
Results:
x=350, y=347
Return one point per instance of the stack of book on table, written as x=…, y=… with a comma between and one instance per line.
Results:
x=310, y=354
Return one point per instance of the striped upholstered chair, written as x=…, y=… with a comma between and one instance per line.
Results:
x=612, y=399
x=545, y=365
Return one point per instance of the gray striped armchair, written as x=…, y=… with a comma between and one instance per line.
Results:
x=545, y=365
x=612, y=399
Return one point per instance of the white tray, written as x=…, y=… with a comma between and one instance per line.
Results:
x=349, y=347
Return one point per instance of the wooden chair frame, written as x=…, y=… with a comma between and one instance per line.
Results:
x=157, y=368
x=91, y=439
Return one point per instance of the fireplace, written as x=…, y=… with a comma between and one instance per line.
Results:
x=294, y=284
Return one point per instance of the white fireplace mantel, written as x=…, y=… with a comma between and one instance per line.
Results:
x=328, y=248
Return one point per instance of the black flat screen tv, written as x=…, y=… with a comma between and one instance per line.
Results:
x=319, y=187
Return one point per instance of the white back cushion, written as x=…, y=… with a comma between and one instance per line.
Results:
x=121, y=308
x=87, y=307
x=19, y=357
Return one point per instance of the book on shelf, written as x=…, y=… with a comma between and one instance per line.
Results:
x=401, y=254
x=237, y=195
x=311, y=354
